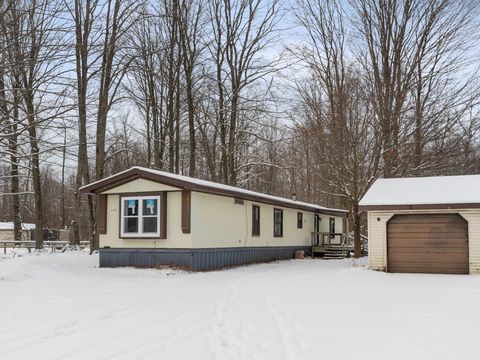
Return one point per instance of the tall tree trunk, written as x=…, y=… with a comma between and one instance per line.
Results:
x=62, y=200
x=83, y=25
x=12, y=125
x=221, y=120
x=232, y=141
x=191, y=124
x=356, y=230
x=35, y=165
x=177, y=110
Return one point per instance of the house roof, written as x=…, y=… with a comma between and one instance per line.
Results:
x=9, y=226
x=193, y=184
x=445, y=192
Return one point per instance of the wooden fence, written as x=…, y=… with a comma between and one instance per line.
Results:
x=30, y=244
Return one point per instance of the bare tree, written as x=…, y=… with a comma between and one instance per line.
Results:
x=84, y=14
x=34, y=34
x=146, y=82
x=119, y=18
x=241, y=31
x=191, y=14
x=9, y=126
x=335, y=109
x=413, y=49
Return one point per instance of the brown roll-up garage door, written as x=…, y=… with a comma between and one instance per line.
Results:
x=433, y=243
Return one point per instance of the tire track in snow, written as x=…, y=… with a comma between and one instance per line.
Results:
x=220, y=344
x=285, y=325
x=274, y=314
x=138, y=332
x=232, y=335
x=33, y=341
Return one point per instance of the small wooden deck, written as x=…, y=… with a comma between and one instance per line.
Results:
x=322, y=241
x=319, y=249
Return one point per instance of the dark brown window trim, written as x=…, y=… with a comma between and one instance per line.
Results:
x=255, y=228
x=163, y=215
x=299, y=220
x=186, y=211
x=281, y=223
x=102, y=214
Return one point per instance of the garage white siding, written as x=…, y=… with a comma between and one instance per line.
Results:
x=473, y=218
x=377, y=240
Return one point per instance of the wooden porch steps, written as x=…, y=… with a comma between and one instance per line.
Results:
x=335, y=253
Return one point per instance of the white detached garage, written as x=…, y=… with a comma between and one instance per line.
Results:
x=424, y=224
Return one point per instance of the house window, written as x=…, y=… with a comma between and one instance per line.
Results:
x=255, y=220
x=332, y=227
x=140, y=216
x=299, y=220
x=277, y=222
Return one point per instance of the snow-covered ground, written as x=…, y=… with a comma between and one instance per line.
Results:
x=62, y=306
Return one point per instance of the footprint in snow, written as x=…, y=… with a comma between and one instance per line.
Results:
x=303, y=345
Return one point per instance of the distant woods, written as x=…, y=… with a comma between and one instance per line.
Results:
x=316, y=97
x=391, y=90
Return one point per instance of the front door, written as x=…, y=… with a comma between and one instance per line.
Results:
x=331, y=230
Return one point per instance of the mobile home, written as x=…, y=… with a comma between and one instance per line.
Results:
x=148, y=218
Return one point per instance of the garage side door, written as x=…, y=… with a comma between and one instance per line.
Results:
x=436, y=244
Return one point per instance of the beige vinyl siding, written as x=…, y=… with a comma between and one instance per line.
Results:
x=218, y=222
x=377, y=235
x=140, y=185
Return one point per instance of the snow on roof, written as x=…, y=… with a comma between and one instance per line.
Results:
x=9, y=226
x=218, y=186
x=464, y=189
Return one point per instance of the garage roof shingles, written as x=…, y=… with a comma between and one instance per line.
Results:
x=436, y=192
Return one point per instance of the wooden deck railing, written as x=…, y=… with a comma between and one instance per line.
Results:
x=323, y=239
x=327, y=239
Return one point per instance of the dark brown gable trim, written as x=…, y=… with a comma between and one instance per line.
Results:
x=132, y=174
x=186, y=211
x=119, y=183
x=140, y=193
x=419, y=207
x=102, y=214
